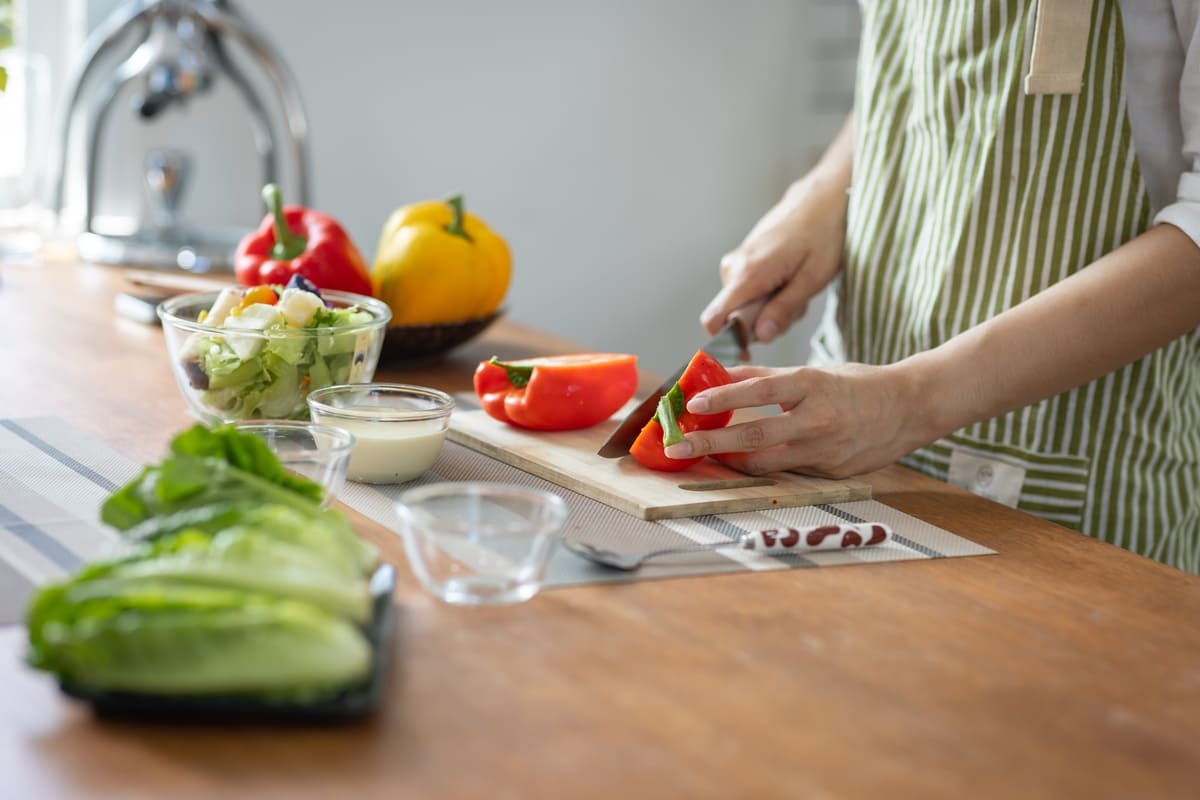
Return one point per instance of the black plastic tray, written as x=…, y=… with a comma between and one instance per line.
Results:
x=354, y=702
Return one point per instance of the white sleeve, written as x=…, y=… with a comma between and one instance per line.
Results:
x=1184, y=212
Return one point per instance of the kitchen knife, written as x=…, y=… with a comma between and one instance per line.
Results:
x=734, y=338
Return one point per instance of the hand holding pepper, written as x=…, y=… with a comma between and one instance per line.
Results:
x=299, y=241
x=673, y=419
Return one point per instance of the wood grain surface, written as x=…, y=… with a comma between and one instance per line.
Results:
x=568, y=458
x=1060, y=668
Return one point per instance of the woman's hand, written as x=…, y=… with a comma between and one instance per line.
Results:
x=793, y=252
x=835, y=422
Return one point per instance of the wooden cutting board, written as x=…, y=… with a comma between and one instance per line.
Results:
x=569, y=459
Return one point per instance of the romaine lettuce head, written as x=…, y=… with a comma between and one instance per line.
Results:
x=328, y=536
x=242, y=558
x=244, y=451
x=182, y=482
x=182, y=639
x=219, y=477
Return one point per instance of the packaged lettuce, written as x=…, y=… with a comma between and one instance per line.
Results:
x=235, y=581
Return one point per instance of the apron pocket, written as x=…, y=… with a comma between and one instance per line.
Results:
x=1053, y=486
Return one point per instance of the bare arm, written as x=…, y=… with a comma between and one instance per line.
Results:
x=1129, y=303
x=855, y=418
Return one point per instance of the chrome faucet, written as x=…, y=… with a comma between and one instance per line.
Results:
x=181, y=51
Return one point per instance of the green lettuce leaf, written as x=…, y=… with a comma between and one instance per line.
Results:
x=241, y=557
x=182, y=639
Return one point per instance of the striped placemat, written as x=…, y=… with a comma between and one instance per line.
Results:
x=54, y=477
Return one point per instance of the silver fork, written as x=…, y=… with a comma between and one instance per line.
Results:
x=781, y=540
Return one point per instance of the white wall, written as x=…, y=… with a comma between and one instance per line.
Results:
x=621, y=147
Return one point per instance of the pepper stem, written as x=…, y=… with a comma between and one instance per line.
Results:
x=288, y=245
x=518, y=375
x=455, y=228
x=670, y=406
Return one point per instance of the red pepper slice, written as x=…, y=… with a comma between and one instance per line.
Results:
x=299, y=241
x=702, y=372
x=556, y=393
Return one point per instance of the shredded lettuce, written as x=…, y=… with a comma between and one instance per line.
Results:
x=269, y=373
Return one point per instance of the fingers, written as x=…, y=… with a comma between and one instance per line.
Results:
x=752, y=387
x=742, y=283
x=767, y=268
x=763, y=446
x=747, y=436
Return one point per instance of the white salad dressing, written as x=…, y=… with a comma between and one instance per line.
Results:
x=392, y=453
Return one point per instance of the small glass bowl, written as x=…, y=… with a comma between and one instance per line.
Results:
x=399, y=428
x=346, y=354
x=475, y=543
x=320, y=453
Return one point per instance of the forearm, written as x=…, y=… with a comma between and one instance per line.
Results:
x=1129, y=303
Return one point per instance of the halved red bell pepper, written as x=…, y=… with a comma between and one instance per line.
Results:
x=556, y=393
x=673, y=419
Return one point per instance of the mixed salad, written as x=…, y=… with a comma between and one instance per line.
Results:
x=274, y=346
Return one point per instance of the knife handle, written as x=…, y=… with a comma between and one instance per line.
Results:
x=820, y=537
x=742, y=319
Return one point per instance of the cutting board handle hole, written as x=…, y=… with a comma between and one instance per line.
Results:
x=731, y=483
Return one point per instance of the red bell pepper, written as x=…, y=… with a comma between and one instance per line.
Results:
x=556, y=393
x=673, y=419
x=298, y=241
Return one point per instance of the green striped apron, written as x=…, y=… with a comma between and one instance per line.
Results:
x=969, y=196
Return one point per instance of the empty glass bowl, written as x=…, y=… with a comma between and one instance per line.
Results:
x=320, y=453
x=474, y=543
x=399, y=428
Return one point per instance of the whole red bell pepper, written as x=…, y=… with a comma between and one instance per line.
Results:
x=672, y=419
x=556, y=393
x=299, y=241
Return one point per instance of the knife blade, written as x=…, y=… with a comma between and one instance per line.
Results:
x=735, y=337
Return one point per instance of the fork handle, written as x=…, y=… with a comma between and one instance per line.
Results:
x=821, y=537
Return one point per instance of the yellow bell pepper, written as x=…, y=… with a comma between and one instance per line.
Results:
x=437, y=263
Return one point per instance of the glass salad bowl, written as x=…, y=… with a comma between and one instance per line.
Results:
x=256, y=352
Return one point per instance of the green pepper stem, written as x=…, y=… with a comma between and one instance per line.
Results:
x=670, y=406
x=288, y=245
x=518, y=375
x=455, y=228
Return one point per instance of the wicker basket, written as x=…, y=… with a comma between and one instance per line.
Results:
x=421, y=342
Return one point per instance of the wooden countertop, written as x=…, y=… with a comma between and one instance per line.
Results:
x=1061, y=667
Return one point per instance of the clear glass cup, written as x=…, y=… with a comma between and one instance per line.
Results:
x=476, y=543
x=320, y=453
x=399, y=428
